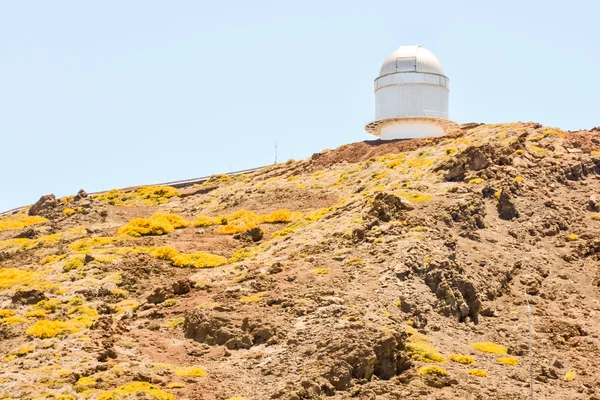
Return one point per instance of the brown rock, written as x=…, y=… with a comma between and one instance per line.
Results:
x=594, y=203
x=182, y=286
x=80, y=195
x=45, y=202
x=506, y=207
x=31, y=296
x=159, y=295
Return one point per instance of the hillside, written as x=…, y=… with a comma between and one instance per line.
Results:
x=373, y=271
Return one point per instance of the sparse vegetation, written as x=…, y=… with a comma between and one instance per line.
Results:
x=158, y=224
x=249, y=299
x=203, y=221
x=570, y=376
x=340, y=287
x=24, y=351
x=432, y=370
x=10, y=277
x=489, y=347
x=476, y=180
x=149, y=195
x=424, y=352
x=321, y=271
x=508, y=360
x=477, y=372
x=462, y=358
x=20, y=221
x=73, y=263
x=46, y=329
x=135, y=389
x=198, y=260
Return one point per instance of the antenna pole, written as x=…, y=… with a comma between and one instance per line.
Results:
x=275, y=152
x=530, y=346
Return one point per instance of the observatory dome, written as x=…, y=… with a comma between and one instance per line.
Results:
x=411, y=96
x=424, y=61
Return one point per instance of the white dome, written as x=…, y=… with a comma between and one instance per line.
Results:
x=411, y=96
x=411, y=59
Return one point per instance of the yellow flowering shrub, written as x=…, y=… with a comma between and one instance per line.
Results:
x=199, y=260
x=9, y=358
x=489, y=347
x=10, y=277
x=46, y=329
x=231, y=229
x=73, y=263
x=302, y=222
x=249, y=299
x=126, y=305
x=175, y=385
x=476, y=180
x=135, y=389
x=165, y=253
x=24, y=351
x=82, y=310
x=49, y=305
x=321, y=271
x=355, y=261
x=192, y=371
x=570, y=375
x=156, y=194
x=158, y=224
x=477, y=372
x=149, y=195
x=68, y=211
x=14, y=320
x=413, y=196
x=432, y=370
x=115, y=197
x=202, y=221
x=508, y=360
x=6, y=313
x=175, y=323
x=36, y=313
x=52, y=259
x=86, y=381
x=170, y=302
x=379, y=175
x=394, y=164
x=462, y=359
x=243, y=253
x=19, y=221
x=283, y=215
x=87, y=244
x=424, y=352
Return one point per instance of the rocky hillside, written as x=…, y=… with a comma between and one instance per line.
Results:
x=374, y=271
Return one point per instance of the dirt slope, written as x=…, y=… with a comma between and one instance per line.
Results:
x=373, y=271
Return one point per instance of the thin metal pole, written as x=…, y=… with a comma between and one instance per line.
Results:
x=530, y=346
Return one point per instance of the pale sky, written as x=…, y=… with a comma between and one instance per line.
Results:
x=105, y=94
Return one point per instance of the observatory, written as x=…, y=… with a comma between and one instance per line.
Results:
x=411, y=96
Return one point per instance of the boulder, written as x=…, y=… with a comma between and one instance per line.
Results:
x=45, y=202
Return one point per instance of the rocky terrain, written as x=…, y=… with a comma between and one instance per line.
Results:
x=378, y=270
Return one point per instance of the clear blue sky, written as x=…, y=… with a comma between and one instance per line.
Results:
x=104, y=94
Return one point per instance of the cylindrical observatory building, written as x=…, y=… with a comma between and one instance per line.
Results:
x=411, y=96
